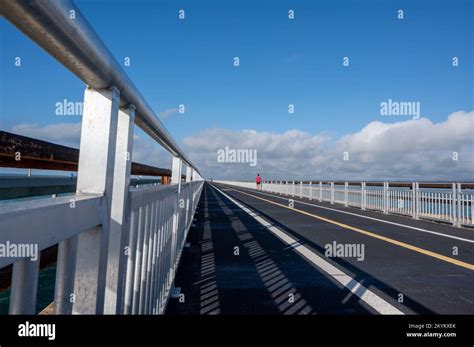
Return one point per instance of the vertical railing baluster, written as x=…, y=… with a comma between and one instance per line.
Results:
x=65, y=270
x=138, y=260
x=144, y=258
x=151, y=292
x=24, y=286
x=149, y=259
x=131, y=260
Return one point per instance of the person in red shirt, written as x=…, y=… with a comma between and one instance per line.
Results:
x=258, y=180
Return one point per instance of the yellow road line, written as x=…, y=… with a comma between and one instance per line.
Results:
x=368, y=233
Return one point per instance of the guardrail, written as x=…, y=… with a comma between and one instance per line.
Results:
x=156, y=247
x=118, y=247
x=455, y=205
x=158, y=218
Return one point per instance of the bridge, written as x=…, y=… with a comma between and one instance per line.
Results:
x=222, y=247
x=288, y=237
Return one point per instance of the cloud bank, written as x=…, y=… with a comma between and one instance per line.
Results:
x=407, y=150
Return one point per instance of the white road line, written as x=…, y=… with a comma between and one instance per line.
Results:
x=366, y=295
x=366, y=217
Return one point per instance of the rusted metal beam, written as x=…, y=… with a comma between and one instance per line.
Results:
x=24, y=152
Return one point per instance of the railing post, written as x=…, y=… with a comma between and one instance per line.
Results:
x=176, y=171
x=175, y=179
x=363, y=203
x=189, y=174
x=332, y=193
x=118, y=238
x=416, y=203
x=460, y=205
x=346, y=194
x=286, y=188
x=310, y=190
x=188, y=198
x=293, y=189
x=301, y=189
x=454, y=206
x=95, y=176
x=320, y=191
x=385, y=197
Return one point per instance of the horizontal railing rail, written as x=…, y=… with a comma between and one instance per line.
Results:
x=46, y=222
x=435, y=202
x=159, y=220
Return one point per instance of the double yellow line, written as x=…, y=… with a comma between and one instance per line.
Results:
x=368, y=233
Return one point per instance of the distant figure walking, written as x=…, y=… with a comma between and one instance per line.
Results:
x=258, y=180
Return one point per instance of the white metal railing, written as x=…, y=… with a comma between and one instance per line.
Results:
x=118, y=247
x=454, y=205
x=156, y=244
x=158, y=221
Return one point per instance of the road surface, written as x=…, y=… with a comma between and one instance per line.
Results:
x=253, y=252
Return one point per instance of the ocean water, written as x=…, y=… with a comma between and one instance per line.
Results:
x=45, y=293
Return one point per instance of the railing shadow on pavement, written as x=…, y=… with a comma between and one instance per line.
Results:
x=359, y=275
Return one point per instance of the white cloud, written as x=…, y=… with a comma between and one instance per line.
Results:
x=66, y=134
x=413, y=149
x=145, y=150
x=168, y=112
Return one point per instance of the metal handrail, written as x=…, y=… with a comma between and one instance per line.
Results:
x=75, y=44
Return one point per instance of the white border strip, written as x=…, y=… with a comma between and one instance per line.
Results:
x=366, y=295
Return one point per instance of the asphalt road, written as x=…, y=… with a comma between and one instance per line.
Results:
x=251, y=253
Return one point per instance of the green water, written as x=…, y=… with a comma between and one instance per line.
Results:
x=45, y=293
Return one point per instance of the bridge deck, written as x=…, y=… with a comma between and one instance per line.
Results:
x=282, y=267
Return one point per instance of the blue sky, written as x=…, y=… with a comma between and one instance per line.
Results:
x=282, y=61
